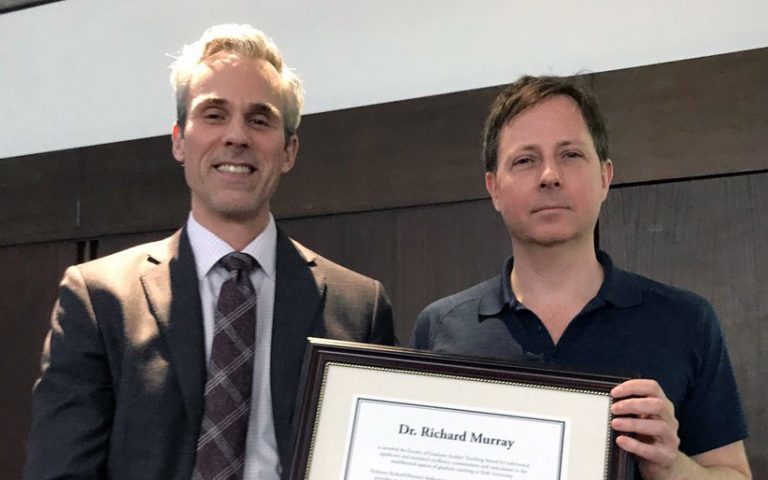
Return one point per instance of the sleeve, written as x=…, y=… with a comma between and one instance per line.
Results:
x=73, y=401
x=420, y=337
x=712, y=416
x=382, y=328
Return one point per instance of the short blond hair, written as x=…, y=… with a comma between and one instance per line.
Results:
x=243, y=40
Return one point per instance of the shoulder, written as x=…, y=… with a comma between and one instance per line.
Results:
x=332, y=272
x=679, y=342
x=101, y=288
x=460, y=301
x=455, y=313
x=355, y=306
x=670, y=307
x=676, y=299
x=128, y=263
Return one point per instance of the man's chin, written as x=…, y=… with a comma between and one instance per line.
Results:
x=239, y=214
x=551, y=242
x=545, y=239
x=236, y=211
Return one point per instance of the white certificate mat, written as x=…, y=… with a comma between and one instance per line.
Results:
x=392, y=439
x=454, y=403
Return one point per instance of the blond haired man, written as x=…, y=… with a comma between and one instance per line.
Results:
x=181, y=358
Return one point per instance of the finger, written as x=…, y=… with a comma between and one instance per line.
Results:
x=640, y=387
x=651, y=452
x=657, y=431
x=645, y=407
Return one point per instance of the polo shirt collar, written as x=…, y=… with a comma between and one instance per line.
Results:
x=500, y=295
x=618, y=289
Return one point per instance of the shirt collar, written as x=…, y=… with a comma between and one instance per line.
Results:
x=500, y=296
x=208, y=248
x=618, y=289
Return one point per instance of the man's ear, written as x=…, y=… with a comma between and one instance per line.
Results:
x=177, y=139
x=606, y=176
x=492, y=188
x=291, y=150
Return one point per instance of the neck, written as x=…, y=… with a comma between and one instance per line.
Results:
x=566, y=271
x=236, y=232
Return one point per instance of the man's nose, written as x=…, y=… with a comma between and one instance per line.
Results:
x=237, y=134
x=551, y=174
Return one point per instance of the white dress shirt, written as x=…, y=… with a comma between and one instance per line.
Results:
x=262, y=460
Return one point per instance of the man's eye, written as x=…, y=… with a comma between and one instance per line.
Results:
x=213, y=116
x=522, y=161
x=573, y=155
x=259, y=121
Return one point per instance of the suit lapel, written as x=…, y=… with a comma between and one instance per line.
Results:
x=172, y=291
x=299, y=295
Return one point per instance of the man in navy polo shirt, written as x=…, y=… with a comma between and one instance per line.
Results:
x=561, y=302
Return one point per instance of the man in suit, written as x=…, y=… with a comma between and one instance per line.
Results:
x=133, y=385
x=562, y=302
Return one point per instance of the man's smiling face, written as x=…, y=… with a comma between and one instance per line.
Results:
x=233, y=145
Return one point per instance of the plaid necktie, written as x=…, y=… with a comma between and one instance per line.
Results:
x=221, y=445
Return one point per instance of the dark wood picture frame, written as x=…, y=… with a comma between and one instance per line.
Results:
x=8, y=6
x=380, y=360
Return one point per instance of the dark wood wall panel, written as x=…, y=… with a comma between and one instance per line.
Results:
x=28, y=290
x=670, y=120
x=7, y=6
x=709, y=236
x=124, y=187
x=38, y=197
x=131, y=187
x=687, y=119
x=413, y=152
x=107, y=245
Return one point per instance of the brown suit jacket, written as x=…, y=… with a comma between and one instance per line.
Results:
x=123, y=368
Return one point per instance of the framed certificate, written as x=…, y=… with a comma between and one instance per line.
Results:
x=372, y=412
